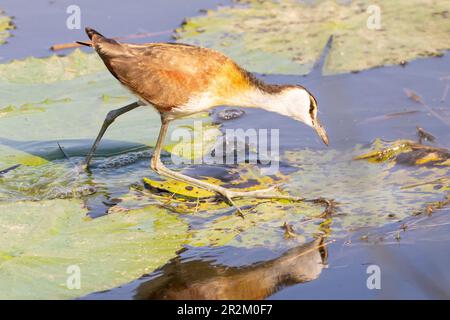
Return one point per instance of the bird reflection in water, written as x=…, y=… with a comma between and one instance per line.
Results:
x=201, y=279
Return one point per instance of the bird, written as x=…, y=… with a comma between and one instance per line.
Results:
x=180, y=80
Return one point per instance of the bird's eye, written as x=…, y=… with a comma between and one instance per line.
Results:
x=312, y=107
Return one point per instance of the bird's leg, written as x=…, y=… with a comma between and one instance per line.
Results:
x=110, y=117
x=160, y=168
x=229, y=195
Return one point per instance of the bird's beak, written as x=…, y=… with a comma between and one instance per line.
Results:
x=321, y=131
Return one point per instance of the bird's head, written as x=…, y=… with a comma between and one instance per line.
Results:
x=297, y=103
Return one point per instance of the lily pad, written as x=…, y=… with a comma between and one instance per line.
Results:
x=262, y=226
x=366, y=193
x=369, y=194
x=182, y=197
x=52, y=69
x=287, y=37
x=5, y=25
x=42, y=240
x=214, y=223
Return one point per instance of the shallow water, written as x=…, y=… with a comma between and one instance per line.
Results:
x=355, y=108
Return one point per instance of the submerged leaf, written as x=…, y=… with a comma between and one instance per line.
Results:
x=10, y=156
x=287, y=37
x=407, y=152
x=44, y=243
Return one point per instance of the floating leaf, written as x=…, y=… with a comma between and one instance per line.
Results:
x=287, y=37
x=261, y=226
x=42, y=240
x=10, y=156
x=383, y=153
x=182, y=197
x=194, y=141
x=407, y=152
x=180, y=188
x=367, y=193
x=216, y=222
x=53, y=69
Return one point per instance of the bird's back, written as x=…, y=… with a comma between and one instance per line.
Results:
x=168, y=75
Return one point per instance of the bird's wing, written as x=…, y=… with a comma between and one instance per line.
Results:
x=164, y=74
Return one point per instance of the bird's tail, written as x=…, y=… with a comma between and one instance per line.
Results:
x=103, y=45
x=93, y=34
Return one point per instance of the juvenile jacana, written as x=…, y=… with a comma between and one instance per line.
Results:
x=179, y=80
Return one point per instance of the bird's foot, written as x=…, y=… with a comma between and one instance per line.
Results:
x=271, y=193
x=268, y=193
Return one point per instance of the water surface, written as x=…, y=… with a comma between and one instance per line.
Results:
x=355, y=108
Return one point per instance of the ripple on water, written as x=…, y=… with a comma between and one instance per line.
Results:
x=55, y=180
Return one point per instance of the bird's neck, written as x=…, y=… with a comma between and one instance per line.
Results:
x=269, y=98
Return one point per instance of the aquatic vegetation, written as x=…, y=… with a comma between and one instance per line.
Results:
x=50, y=180
x=287, y=37
x=42, y=241
x=371, y=192
x=51, y=110
x=52, y=69
x=180, y=188
x=407, y=152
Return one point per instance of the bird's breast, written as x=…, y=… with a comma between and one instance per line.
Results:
x=197, y=103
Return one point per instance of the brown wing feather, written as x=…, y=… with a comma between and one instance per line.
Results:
x=165, y=75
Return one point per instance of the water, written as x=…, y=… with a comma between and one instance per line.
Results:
x=355, y=108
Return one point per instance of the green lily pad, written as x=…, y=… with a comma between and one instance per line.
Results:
x=407, y=152
x=65, y=100
x=369, y=194
x=5, y=25
x=366, y=193
x=216, y=223
x=41, y=240
x=40, y=181
x=262, y=226
x=180, y=188
x=287, y=37
x=52, y=69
